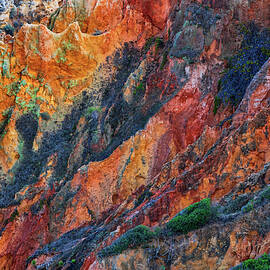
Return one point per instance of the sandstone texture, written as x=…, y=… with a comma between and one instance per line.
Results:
x=116, y=114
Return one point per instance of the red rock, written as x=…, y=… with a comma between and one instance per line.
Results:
x=181, y=156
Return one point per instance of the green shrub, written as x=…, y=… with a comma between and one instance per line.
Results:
x=33, y=262
x=131, y=239
x=61, y=263
x=73, y=260
x=191, y=218
x=262, y=263
x=158, y=232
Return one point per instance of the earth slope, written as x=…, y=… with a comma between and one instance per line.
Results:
x=117, y=114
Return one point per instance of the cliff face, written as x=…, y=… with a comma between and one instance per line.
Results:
x=115, y=114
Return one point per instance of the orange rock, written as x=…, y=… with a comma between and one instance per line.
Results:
x=217, y=246
x=141, y=158
x=180, y=157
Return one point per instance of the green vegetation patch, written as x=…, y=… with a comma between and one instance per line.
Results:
x=262, y=263
x=62, y=51
x=139, y=89
x=131, y=239
x=14, y=88
x=192, y=217
x=92, y=109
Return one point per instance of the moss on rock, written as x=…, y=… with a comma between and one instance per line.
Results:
x=131, y=239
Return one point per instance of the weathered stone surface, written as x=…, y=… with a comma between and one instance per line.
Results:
x=217, y=246
x=188, y=43
x=106, y=122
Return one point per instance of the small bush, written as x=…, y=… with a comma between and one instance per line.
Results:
x=33, y=262
x=262, y=263
x=191, y=218
x=60, y=263
x=131, y=239
x=158, y=232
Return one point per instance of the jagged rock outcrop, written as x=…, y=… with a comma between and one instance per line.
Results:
x=111, y=118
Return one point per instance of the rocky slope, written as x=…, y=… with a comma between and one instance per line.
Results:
x=118, y=117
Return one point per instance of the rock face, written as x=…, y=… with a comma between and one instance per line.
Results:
x=110, y=119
